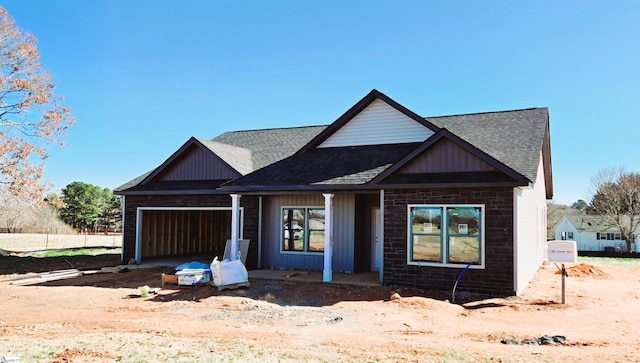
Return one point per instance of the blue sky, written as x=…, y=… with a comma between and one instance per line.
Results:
x=141, y=77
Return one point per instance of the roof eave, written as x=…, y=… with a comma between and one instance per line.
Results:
x=260, y=189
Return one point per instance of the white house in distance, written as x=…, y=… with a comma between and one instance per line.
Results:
x=591, y=233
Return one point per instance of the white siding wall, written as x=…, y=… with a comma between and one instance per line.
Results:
x=587, y=241
x=378, y=124
x=565, y=226
x=530, y=230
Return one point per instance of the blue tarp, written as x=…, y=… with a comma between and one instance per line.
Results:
x=194, y=265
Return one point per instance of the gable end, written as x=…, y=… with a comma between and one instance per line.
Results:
x=378, y=124
x=196, y=163
x=445, y=157
x=350, y=136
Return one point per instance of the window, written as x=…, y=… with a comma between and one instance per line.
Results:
x=570, y=235
x=609, y=236
x=302, y=229
x=567, y=235
x=444, y=235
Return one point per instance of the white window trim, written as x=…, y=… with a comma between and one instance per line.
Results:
x=306, y=231
x=480, y=266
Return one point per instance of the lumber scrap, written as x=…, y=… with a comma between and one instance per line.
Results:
x=46, y=276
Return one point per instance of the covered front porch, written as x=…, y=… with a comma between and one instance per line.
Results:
x=318, y=231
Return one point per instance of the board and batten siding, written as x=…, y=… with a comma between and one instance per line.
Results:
x=378, y=124
x=530, y=232
x=343, y=233
x=445, y=156
x=198, y=164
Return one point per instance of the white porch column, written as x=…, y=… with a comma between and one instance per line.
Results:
x=235, y=225
x=328, y=237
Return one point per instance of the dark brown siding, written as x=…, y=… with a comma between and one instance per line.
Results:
x=496, y=278
x=183, y=225
x=198, y=164
x=445, y=157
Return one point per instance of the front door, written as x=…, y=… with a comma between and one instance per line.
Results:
x=376, y=243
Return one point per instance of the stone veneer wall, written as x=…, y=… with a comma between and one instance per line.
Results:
x=497, y=278
x=133, y=202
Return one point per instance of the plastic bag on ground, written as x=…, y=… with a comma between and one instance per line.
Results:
x=228, y=272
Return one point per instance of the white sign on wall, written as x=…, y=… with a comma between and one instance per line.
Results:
x=562, y=251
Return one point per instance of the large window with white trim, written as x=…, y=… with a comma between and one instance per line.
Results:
x=303, y=229
x=445, y=235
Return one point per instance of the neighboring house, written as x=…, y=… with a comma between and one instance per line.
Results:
x=592, y=233
x=380, y=189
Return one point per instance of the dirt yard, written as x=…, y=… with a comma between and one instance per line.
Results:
x=102, y=318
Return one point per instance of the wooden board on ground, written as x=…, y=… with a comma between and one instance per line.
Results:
x=169, y=279
x=232, y=286
x=46, y=276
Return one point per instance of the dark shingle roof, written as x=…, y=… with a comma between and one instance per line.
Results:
x=247, y=151
x=284, y=158
x=593, y=223
x=251, y=150
x=514, y=138
x=353, y=165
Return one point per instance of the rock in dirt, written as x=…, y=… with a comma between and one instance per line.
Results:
x=543, y=340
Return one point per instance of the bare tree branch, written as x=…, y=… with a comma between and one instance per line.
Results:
x=32, y=116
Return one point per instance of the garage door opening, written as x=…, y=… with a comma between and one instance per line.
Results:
x=183, y=232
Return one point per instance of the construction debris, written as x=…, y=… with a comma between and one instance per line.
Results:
x=31, y=279
x=36, y=278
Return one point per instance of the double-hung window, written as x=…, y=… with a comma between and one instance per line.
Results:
x=302, y=229
x=446, y=235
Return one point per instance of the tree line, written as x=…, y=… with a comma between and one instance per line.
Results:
x=617, y=201
x=87, y=207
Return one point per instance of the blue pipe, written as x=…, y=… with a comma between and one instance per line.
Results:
x=453, y=293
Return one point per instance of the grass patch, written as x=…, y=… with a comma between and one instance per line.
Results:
x=613, y=261
x=81, y=258
x=71, y=252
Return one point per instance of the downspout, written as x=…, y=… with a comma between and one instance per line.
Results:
x=381, y=244
x=515, y=240
x=260, y=232
x=138, y=252
x=122, y=229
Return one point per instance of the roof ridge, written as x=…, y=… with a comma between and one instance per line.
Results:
x=271, y=129
x=488, y=112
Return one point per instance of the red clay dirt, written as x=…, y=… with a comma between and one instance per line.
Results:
x=102, y=318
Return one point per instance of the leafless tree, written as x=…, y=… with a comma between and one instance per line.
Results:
x=32, y=116
x=617, y=200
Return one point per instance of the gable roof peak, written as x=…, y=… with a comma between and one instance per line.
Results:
x=392, y=107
